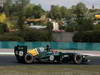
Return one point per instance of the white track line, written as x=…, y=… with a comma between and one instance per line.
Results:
x=6, y=53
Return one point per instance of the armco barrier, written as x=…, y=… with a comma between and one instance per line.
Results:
x=54, y=45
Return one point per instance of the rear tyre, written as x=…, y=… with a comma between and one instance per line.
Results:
x=29, y=59
x=77, y=59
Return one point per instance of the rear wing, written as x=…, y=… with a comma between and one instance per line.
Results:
x=18, y=49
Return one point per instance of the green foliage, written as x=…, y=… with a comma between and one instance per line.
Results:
x=15, y=10
x=82, y=19
x=20, y=21
x=8, y=7
x=26, y=35
x=57, y=12
x=21, y=16
x=23, y=2
x=92, y=36
x=1, y=9
x=34, y=35
x=28, y=11
x=10, y=38
x=77, y=18
x=49, y=30
x=86, y=25
x=80, y=10
x=70, y=28
x=3, y=28
x=64, y=11
x=37, y=11
x=61, y=27
x=97, y=27
x=70, y=18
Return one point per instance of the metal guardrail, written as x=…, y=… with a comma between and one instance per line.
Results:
x=53, y=45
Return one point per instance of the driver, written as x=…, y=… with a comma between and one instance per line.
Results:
x=48, y=48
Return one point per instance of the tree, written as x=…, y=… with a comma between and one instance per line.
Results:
x=3, y=28
x=63, y=11
x=80, y=9
x=97, y=27
x=55, y=12
x=38, y=11
x=7, y=7
x=21, y=4
x=1, y=9
x=20, y=21
x=29, y=10
x=49, y=28
x=82, y=20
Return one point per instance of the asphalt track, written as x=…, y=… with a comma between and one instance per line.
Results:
x=10, y=60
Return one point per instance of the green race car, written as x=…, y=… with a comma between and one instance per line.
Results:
x=23, y=55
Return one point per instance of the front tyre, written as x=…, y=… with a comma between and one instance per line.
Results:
x=28, y=59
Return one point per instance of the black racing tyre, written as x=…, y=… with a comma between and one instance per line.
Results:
x=29, y=59
x=77, y=59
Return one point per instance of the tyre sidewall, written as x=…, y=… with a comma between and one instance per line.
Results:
x=30, y=61
x=77, y=61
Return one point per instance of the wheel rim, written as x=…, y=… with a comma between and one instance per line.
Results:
x=28, y=58
x=78, y=59
x=51, y=58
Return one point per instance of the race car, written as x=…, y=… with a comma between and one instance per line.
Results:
x=41, y=54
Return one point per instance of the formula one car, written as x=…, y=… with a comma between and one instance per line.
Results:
x=47, y=55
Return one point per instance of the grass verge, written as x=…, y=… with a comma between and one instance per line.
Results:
x=50, y=70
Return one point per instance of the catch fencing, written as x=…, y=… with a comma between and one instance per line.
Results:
x=53, y=45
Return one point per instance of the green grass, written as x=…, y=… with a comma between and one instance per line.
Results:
x=50, y=70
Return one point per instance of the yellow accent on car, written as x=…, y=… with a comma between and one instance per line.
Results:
x=33, y=52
